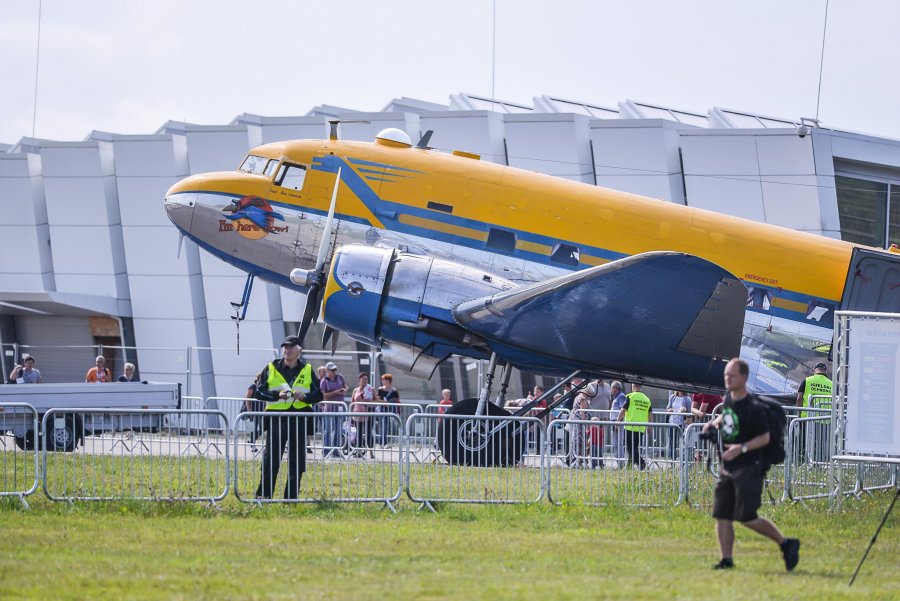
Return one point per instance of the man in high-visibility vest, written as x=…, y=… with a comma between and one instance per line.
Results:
x=817, y=384
x=290, y=389
x=637, y=409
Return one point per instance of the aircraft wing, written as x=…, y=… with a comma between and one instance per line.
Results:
x=671, y=317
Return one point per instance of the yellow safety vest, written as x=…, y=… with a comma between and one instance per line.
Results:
x=816, y=385
x=638, y=411
x=302, y=383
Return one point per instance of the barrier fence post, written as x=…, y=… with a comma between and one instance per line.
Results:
x=19, y=452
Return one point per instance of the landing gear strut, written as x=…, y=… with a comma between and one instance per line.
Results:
x=240, y=309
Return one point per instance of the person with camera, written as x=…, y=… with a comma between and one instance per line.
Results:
x=744, y=431
x=25, y=373
x=388, y=395
x=290, y=389
x=363, y=395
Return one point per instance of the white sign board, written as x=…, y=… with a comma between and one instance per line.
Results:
x=873, y=405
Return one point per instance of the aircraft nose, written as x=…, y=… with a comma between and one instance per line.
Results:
x=180, y=209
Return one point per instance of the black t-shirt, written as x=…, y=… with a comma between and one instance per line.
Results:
x=742, y=420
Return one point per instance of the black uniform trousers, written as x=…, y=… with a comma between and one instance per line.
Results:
x=633, y=441
x=284, y=427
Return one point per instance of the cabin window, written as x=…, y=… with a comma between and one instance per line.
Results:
x=253, y=164
x=501, y=240
x=566, y=254
x=271, y=167
x=291, y=176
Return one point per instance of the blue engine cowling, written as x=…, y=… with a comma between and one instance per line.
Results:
x=401, y=302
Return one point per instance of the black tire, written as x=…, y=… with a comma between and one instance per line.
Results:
x=480, y=443
x=67, y=437
x=26, y=443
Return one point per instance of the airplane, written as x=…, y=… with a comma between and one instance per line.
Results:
x=426, y=254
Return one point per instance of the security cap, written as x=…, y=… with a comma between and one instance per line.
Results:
x=291, y=341
x=330, y=366
x=821, y=366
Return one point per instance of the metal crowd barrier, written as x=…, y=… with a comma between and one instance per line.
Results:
x=111, y=454
x=809, y=455
x=19, y=467
x=190, y=421
x=700, y=468
x=361, y=472
x=385, y=431
x=487, y=461
x=329, y=435
x=231, y=406
x=644, y=471
x=95, y=454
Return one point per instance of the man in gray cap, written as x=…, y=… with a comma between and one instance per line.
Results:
x=290, y=389
x=333, y=389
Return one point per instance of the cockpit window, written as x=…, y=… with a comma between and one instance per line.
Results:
x=253, y=164
x=271, y=167
x=291, y=176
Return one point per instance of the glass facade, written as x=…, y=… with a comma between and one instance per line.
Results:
x=894, y=216
x=862, y=207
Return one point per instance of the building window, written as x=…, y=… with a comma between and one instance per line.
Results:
x=291, y=176
x=566, y=254
x=501, y=240
x=894, y=215
x=863, y=209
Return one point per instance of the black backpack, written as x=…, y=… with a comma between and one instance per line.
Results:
x=774, y=451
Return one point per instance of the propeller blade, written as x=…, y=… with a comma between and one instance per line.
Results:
x=180, y=244
x=309, y=311
x=331, y=333
x=334, y=341
x=325, y=245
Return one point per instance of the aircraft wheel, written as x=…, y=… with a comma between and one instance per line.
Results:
x=66, y=435
x=477, y=442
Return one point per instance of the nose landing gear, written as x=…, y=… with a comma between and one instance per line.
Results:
x=479, y=440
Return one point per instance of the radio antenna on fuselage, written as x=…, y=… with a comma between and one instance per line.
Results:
x=426, y=138
x=333, y=126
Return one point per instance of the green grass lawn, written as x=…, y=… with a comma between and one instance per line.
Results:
x=130, y=550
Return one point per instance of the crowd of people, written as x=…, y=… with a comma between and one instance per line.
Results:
x=600, y=400
x=26, y=373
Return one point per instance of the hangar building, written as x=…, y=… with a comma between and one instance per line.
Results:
x=88, y=259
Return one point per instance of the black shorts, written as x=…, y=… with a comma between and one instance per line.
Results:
x=739, y=493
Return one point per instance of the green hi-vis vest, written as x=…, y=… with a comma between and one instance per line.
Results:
x=638, y=411
x=302, y=383
x=816, y=385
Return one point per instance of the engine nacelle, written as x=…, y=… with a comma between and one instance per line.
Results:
x=402, y=302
